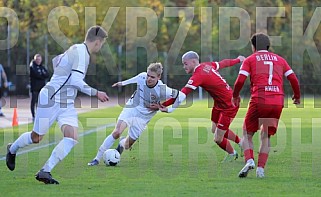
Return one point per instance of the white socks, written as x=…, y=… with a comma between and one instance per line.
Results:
x=59, y=153
x=108, y=142
x=22, y=141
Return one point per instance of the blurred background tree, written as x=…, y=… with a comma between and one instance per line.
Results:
x=49, y=27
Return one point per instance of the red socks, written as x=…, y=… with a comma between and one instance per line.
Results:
x=248, y=154
x=229, y=134
x=262, y=159
x=225, y=145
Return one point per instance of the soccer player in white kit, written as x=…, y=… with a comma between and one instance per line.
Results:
x=137, y=113
x=56, y=103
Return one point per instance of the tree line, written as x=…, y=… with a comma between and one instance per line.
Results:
x=145, y=31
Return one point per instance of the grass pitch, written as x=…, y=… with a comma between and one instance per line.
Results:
x=175, y=156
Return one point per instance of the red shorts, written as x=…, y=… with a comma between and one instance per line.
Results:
x=262, y=115
x=223, y=117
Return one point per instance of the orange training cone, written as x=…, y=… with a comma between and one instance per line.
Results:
x=15, y=118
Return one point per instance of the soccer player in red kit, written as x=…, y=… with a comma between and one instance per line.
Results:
x=266, y=71
x=206, y=76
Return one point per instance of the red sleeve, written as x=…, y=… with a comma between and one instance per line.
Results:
x=228, y=62
x=238, y=85
x=186, y=90
x=295, y=85
x=170, y=101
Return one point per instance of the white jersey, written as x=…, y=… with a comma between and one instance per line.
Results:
x=70, y=69
x=144, y=96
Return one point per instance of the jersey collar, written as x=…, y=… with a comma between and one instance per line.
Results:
x=87, y=49
x=153, y=86
x=196, y=67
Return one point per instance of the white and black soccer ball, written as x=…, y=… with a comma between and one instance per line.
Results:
x=111, y=157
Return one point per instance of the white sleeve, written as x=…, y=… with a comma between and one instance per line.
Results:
x=171, y=93
x=217, y=65
x=133, y=79
x=77, y=81
x=180, y=98
x=80, y=59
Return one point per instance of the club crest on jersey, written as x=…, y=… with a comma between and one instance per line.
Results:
x=153, y=97
x=190, y=81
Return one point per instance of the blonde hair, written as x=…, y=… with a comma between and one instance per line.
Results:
x=156, y=67
x=37, y=55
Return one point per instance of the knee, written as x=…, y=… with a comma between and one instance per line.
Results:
x=116, y=133
x=70, y=132
x=218, y=136
x=214, y=128
x=218, y=140
x=36, y=138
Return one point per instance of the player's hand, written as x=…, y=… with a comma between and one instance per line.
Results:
x=5, y=84
x=241, y=58
x=118, y=84
x=162, y=108
x=236, y=101
x=102, y=96
x=296, y=101
x=153, y=107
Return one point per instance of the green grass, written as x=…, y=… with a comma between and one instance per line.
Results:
x=175, y=156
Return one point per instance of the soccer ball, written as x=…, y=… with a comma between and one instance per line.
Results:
x=111, y=157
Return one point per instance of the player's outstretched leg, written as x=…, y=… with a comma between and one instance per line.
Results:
x=10, y=158
x=45, y=177
x=108, y=142
x=231, y=152
x=23, y=141
x=229, y=134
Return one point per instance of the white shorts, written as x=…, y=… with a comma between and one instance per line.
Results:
x=135, y=120
x=48, y=112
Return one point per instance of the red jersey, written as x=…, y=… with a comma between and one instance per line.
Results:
x=206, y=76
x=266, y=71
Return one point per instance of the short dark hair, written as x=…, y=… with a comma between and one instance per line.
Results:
x=260, y=41
x=96, y=32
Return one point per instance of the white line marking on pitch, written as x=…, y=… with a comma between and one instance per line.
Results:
x=53, y=143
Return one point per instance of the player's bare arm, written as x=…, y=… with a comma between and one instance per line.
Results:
x=236, y=101
x=230, y=62
x=102, y=96
x=118, y=84
x=162, y=108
